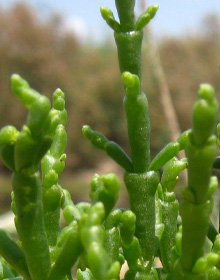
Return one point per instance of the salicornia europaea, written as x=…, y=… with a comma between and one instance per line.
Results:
x=95, y=238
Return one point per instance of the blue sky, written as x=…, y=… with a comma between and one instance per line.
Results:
x=174, y=16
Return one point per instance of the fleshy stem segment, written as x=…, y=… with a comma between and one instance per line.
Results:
x=52, y=165
x=111, y=148
x=141, y=189
x=196, y=206
x=138, y=122
x=13, y=255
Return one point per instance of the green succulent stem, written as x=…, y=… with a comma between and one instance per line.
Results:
x=129, y=46
x=30, y=224
x=141, y=189
x=196, y=206
x=13, y=255
x=125, y=10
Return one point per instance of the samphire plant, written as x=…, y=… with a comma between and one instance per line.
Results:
x=98, y=239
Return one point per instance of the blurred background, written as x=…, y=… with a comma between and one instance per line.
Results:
x=66, y=44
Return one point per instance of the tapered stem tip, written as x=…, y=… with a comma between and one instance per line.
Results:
x=206, y=92
x=86, y=129
x=128, y=79
x=17, y=81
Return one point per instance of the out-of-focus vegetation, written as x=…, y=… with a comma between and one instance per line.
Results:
x=49, y=57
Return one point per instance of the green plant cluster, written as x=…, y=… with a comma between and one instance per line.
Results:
x=97, y=238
